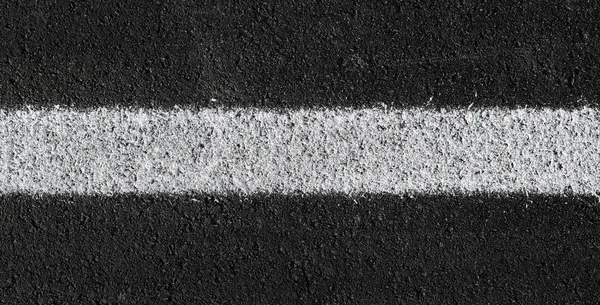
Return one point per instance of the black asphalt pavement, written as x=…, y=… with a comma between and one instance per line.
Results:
x=299, y=53
x=371, y=249
x=270, y=249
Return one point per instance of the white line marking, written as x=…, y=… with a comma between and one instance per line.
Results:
x=108, y=151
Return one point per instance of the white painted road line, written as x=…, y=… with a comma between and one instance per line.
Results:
x=108, y=151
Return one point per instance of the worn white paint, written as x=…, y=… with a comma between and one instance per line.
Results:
x=247, y=150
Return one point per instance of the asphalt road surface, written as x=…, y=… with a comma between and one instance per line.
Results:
x=337, y=248
x=299, y=53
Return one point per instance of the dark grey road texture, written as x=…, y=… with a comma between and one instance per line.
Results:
x=299, y=53
x=299, y=249
x=371, y=249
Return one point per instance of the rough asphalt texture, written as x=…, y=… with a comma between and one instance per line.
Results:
x=299, y=53
x=372, y=249
x=333, y=249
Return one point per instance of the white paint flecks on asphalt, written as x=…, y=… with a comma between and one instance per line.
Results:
x=248, y=150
